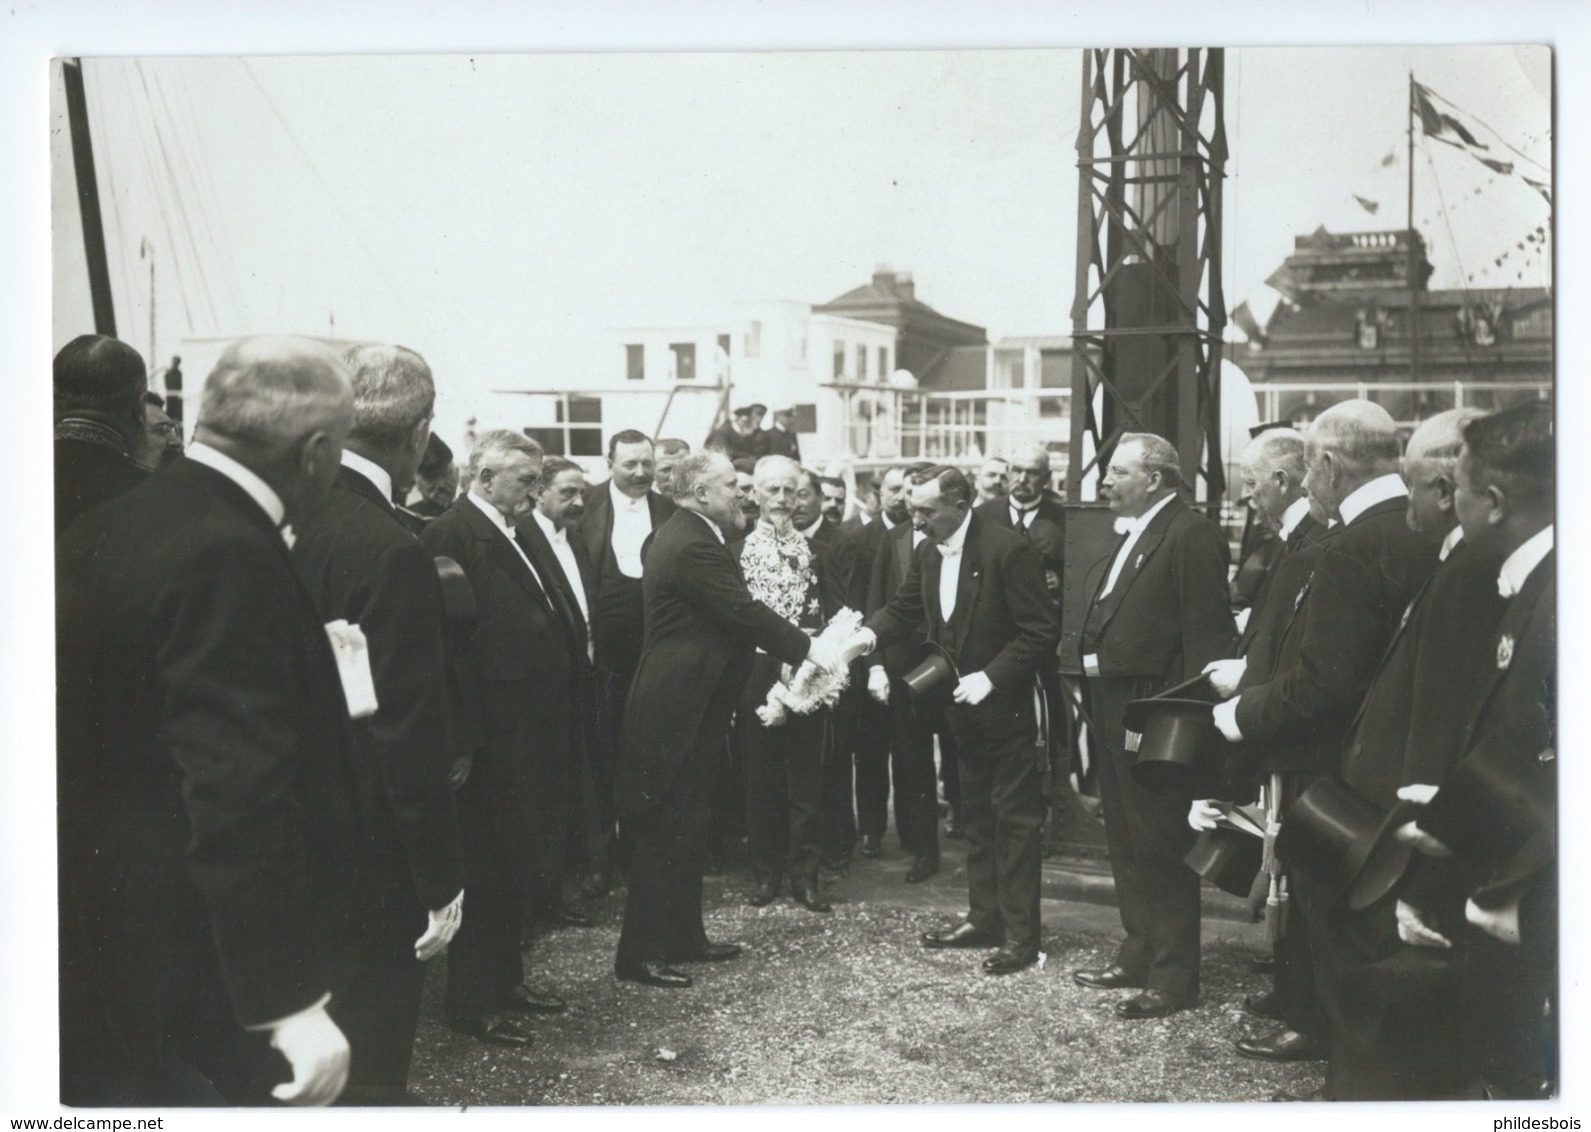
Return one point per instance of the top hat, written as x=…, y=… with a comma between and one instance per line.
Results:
x=1497, y=815
x=1343, y=841
x=1227, y=857
x=1178, y=744
x=936, y=674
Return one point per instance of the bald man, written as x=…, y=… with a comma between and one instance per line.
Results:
x=1369, y=569
x=209, y=832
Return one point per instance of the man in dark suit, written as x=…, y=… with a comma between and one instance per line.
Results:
x=99, y=424
x=796, y=578
x=210, y=863
x=1368, y=571
x=1506, y=931
x=437, y=479
x=1272, y=478
x=516, y=676
x=737, y=438
x=620, y=513
x=978, y=591
x=1158, y=616
x=780, y=440
x=560, y=557
x=900, y=744
x=993, y=479
x=702, y=629
x=666, y=453
x=363, y=566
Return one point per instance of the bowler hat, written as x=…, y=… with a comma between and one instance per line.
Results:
x=1341, y=840
x=1228, y=858
x=1178, y=744
x=935, y=675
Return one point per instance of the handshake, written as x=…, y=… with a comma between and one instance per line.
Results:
x=836, y=655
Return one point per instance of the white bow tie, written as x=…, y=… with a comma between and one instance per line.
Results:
x=948, y=551
x=1125, y=526
x=559, y=537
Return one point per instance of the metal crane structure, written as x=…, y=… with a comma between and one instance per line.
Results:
x=1147, y=314
x=1148, y=311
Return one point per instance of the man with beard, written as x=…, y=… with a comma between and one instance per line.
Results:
x=162, y=439
x=794, y=577
x=737, y=438
x=834, y=499
x=437, y=480
x=702, y=630
x=516, y=675
x=745, y=488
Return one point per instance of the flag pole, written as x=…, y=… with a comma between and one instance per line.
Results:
x=1414, y=295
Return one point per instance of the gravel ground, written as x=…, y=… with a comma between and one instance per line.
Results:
x=849, y=1009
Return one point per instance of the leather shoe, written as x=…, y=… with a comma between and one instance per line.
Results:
x=1265, y=1005
x=1150, y=1004
x=572, y=916
x=1283, y=1045
x=714, y=953
x=922, y=868
x=1010, y=959
x=1263, y=966
x=767, y=892
x=523, y=1000
x=493, y=1029
x=810, y=899
x=962, y=935
x=1114, y=977
x=653, y=975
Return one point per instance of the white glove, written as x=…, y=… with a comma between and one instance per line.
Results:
x=439, y=932
x=859, y=643
x=1419, y=792
x=318, y=1053
x=1225, y=715
x=1500, y=923
x=1203, y=814
x=973, y=689
x=1225, y=675
x=1415, y=932
x=878, y=684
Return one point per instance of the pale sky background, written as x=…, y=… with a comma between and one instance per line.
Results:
x=498, y=233
x=500, y=212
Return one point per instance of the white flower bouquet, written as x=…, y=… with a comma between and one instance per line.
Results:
x=810, y=687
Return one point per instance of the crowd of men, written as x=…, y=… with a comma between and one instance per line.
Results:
x=322, y=716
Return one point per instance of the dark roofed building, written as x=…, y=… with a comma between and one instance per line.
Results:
x=923, y=336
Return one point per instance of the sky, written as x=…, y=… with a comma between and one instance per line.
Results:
x=500, y=213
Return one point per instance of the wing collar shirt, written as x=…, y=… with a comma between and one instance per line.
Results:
x=1454, y=537
x=1133, y=529
x=372, y=471
x=258, y=490
x=559, y=540
x=712, y=526
x=812, y=531
x=950, y=573
x=1296, y=510
x=503, y=525
x=632, y=522
x=1366, y=496
x=1022, y=517
x=1519, y=565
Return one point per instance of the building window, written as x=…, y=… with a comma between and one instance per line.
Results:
x=684, y=360
x=579, y=428
x=860, y=373
x=883, y=365
x=839, y=360
x=634, y=362
x=753, y=339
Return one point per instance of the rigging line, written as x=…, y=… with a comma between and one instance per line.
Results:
x=187, y=201
x=184, y=166
x=1464, y=343
x=181, y=208
x=233, y=276
x=1489, y=129
x=381, y=272
x=204, y=194
x=163, y=216
x=107, y=176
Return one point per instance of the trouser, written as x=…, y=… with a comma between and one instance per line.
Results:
x=483, y=961
x=1510, y=994
x=380, y=1010
x=1002, y=812
x=903, y=751
x=663, y=907
x=784, y=786
x=1147, y=835
x=949, y=767
x=837, y=772
x=873, y=737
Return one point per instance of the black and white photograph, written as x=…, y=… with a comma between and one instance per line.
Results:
x=625, y=567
